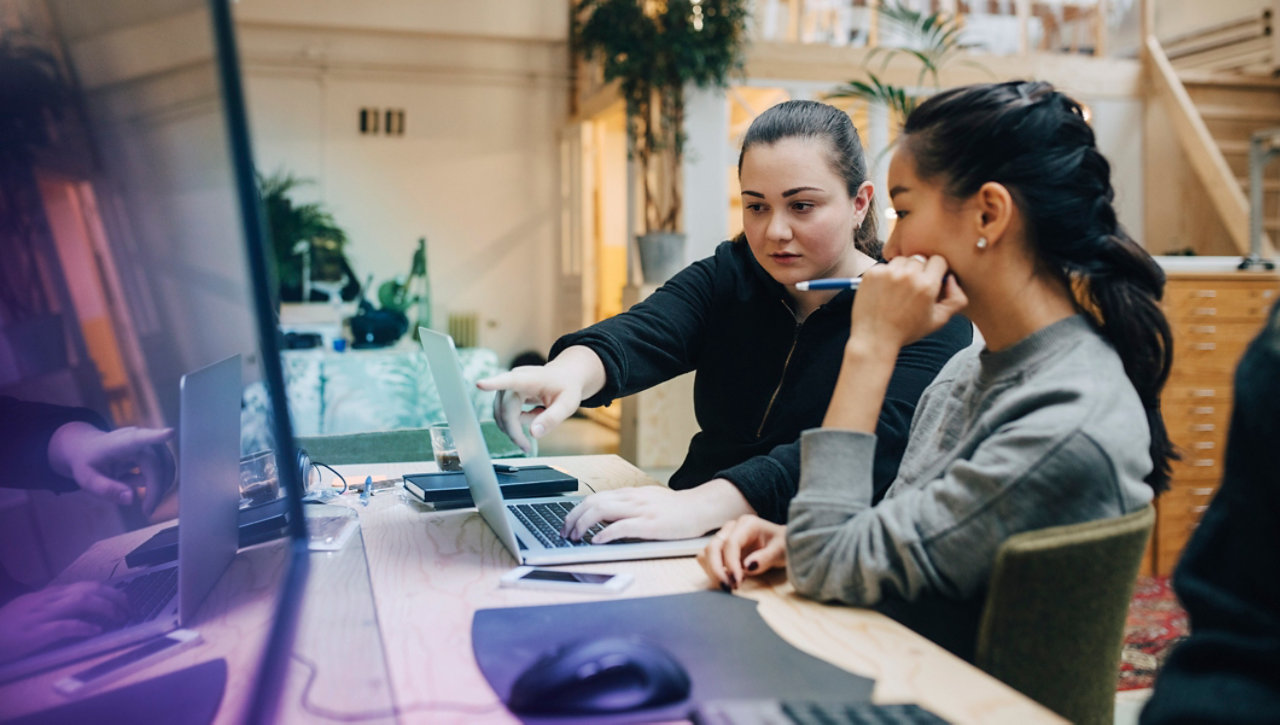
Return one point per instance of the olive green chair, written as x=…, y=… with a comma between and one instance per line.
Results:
x=1053, y=621
x=392, y=446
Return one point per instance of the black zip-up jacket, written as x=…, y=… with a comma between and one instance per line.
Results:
x=762, y=378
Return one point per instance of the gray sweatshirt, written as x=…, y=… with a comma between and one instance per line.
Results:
x=1044, y=433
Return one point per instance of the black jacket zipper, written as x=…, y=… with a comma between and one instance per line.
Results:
x=795, y=338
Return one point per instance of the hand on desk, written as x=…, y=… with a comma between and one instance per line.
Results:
x=746, y=546
x=34, y=621
x=656, y=512
x=113, y=465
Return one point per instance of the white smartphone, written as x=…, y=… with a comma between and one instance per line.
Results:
x=563, y=580
x=128, y=662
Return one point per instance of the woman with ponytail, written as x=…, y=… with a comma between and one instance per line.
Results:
x=766, y=353
x=1003, y=212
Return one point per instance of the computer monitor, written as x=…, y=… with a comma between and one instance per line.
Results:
x=131, y=253
x=269, y=683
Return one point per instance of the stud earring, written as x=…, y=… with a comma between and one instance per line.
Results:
x=982, y=242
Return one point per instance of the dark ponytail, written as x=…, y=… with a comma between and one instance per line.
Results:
x=1035, y=142
x=811, y=119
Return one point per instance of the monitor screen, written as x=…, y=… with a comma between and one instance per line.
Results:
x=132, y=257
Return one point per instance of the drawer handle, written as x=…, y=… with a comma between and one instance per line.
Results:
x=1203, y=410
x=1202, y=491
x=1203, y=445
x=1206, y=346
x=1206, y=293
x=1204, y=311
x=1199, y=509
x=1204, y=329
x=1203, y=463
x=1203, y=427
x=1204, y=393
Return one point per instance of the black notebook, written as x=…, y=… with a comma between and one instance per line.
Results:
x=449, y=488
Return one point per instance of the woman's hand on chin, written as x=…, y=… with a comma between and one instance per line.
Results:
x=905, y=300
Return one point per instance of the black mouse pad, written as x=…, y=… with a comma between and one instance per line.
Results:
x=720, y=639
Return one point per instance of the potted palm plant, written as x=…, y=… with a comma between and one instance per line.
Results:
x=932, y=39
x=306, y=241
x=654, y=48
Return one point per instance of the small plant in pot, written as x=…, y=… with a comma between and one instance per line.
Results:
x=654, y=48
x=308, y=244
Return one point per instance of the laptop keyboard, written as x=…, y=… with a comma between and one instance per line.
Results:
x=545, y=520
x=801, y=712
x=148, y=594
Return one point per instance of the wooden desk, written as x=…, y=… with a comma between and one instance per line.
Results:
x=428, y=572
x=431, y=571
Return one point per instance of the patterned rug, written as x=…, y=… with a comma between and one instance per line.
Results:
x=1156, y=622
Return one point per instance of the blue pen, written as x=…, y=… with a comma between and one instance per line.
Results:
x=368, y=491
x=831, y=283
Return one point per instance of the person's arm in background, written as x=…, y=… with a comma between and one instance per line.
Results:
x=769, y=482
x=25, y=431
x=62, y=449
x=114, y=465
x=1228, y=669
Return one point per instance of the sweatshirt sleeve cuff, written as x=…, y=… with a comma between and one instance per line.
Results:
x=758, y=479
x=607, y=349
x=837, y=465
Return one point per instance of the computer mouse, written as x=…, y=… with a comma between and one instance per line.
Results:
x=600, y=675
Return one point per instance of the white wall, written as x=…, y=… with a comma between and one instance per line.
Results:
x=484, y=86
x=1118, y=126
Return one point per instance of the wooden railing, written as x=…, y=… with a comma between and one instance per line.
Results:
x=1202, y=152
x=828, y=21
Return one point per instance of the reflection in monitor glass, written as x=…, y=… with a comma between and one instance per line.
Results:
x=125, y=265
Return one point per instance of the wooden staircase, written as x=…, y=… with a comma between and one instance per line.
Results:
x=1234, y=106
x=1218, y=81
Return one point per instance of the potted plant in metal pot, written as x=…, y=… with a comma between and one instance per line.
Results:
x=654, y=48
x=308, y=245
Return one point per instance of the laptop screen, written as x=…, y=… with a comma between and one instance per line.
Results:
x=133, y=255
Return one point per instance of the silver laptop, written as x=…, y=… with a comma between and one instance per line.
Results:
x=166, y=597
x=528, y=527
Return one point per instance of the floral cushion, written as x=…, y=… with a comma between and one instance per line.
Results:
x=361, y=391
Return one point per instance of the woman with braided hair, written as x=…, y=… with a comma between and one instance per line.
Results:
x=1004, y=212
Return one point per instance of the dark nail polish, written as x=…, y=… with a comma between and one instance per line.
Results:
x=752, y=566
x=725, y=587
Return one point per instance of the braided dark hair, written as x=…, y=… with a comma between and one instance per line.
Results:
x=811, y=119
x=1036, y=143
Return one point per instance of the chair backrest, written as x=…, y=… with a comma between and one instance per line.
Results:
x=1053, y=622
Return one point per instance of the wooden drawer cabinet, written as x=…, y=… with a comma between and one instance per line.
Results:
x=1213, y=317
x=1203, y=298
